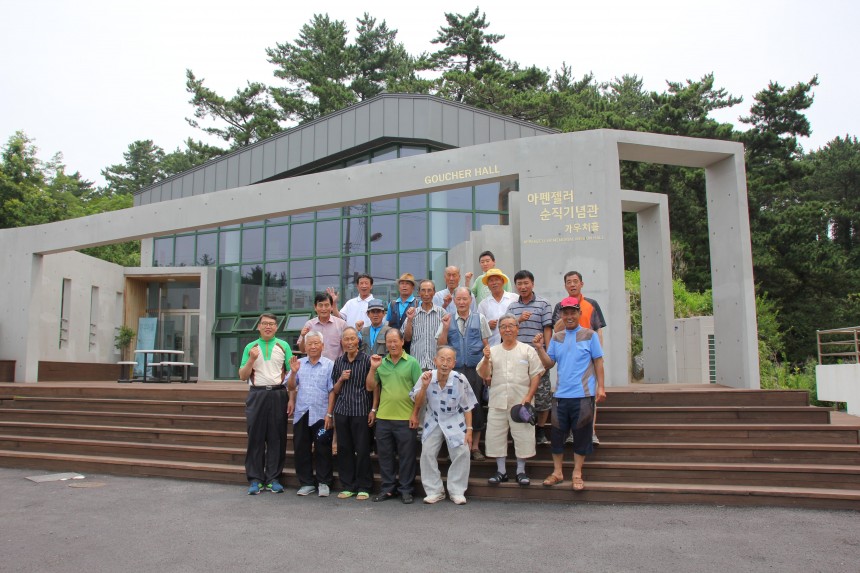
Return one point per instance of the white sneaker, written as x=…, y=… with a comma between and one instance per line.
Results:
x=594, y=440
x=434, y=498
x=459, y=499
x=324, y=490
x=306, y=490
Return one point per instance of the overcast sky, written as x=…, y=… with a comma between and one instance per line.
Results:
x=87, y=78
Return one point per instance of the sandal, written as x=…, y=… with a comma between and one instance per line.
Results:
x=362, y=496
x=552, y=480
x=498, y=478
x=523, y=479
x=578, y=484
x=345, y=494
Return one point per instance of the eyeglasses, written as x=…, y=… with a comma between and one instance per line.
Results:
x=268, y=324
x=507, y=326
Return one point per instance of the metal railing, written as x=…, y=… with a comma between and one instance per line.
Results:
x=839, y=345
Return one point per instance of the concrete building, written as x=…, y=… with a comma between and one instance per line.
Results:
x=399, y=183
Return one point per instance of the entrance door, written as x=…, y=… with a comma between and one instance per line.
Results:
x=180, y=330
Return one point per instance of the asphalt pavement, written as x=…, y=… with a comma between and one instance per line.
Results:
x=122, y=524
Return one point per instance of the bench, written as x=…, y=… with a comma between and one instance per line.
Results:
x=186, y=366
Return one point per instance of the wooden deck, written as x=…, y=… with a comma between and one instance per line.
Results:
x=659, y=443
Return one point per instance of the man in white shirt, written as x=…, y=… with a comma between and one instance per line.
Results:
x=496, y=305
x=355, y=309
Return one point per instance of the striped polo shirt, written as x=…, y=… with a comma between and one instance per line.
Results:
x=353, y=399
x=541, y=317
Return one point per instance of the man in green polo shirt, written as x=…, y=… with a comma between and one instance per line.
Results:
x=395, y=375
x=266, y=407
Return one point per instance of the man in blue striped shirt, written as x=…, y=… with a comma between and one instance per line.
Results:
x=313, y=420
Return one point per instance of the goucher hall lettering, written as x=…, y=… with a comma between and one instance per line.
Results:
x=449, y=176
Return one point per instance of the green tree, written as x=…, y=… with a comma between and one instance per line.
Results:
x=248, y=116
x=467, y=47
x=141, y=168
x=317, y=67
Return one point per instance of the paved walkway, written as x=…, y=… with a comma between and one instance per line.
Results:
x=148, y=524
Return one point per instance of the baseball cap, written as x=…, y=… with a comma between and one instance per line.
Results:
x=570, y=302
x=375, y=303
x=524, y=413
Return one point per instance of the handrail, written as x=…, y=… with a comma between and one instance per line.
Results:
x=846, y=348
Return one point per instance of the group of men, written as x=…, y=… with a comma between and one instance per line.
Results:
x=424, y=367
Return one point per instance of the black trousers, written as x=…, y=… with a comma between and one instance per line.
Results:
x=479, y=416
x=396, y=441
x=266, y=415
x=353, y=453
x=310, y=453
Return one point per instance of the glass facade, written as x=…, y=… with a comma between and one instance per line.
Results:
x=278, y=264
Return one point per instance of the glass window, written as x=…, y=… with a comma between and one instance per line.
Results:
x=359, y=209
x=207, y=249
x=385, y=154
x=413, y=202
x=278, y=220
x=302, y=240
x=297, y=321
x=328, y=238
x=383, y=269
x=328, y=274
x=449, y=229
x=276, y=286
x=452, y=199
x=303, y=217
x=383, y=233
x=227, y=365
x=415, y=263
x=223, y=325
x=352, y=267
x=225, y=227
x=328, y=213
x=410, y=150
x=355, y=235
x=228, y=286
x=175, y=295
x=184, y=251
x=228, y=247
x=482, y=219
x=245, y=323
x=363, y=160
x=413, y=230
x=438, y=262
x=301, y=284
x=162, y=252
x=277, y=242
x=252, y=245
x=383, y=206
x=251, y=290
x=491, y=197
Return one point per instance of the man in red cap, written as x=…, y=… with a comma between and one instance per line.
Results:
x=579, y=356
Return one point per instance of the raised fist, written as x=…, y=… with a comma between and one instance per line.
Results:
x=538, y=339
x=410, y=312
x=487, y=352
x=359, y=324
x=306, y=329
x=469, y=276
x=254, y=353
x=375, y=360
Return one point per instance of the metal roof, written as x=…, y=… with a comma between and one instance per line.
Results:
x=402, y=118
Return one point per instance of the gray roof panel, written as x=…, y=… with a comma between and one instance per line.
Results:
x=385, y=118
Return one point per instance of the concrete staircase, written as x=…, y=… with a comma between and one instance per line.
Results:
x=659, y=444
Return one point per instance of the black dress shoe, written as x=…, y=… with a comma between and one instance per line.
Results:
x=407, y=498
x=384, y=497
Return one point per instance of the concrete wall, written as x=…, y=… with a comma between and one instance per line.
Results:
x=84, y=272
x=691, y=344
x=839, y=383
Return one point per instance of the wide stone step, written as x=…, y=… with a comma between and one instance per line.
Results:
x=729, y=452
x=107, y=448
x=792, y=433
x=204, y=437
x=218, y=391
x=713, y=415
x=134, y=419
x=596, y=491
x=211, y=408
x=704, y=395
